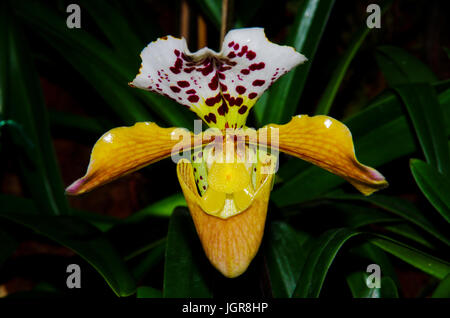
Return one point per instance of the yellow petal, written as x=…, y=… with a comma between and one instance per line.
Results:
x=230, y=244
x=327, y=143
x=125, y=149
x=228, y=177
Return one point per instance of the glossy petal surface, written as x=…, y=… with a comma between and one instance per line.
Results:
x=327, y=143
x=125, y=149
x=220, y=87
x=230, y=244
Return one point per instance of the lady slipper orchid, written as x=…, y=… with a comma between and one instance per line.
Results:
x=228, y=198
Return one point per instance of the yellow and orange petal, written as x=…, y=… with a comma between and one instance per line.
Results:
x=230, y=244
x=327, y=143
x=123, y=150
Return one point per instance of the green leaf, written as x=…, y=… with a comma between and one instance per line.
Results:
x=399, y=67
x=429, y=123
x=371, y=254
x=162, y=208
x=183, y=276
x=332, y=87
x=435, y=186
x=148, y=262
x=285, y=258
x=24, y=104
x=304, y=36
x=443, y=289
x=425, y=262
x=319, y=261
x=402, y=208
x=81, y=237
x=358, y=285
x=410, y=232
x=148, y=292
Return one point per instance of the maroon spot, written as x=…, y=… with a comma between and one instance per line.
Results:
x=231, y=44
x=208, y=69
x=210, y=118
x=243, y=51
x=177, y=53
x=195, y=169
x=245, y=71
x=227, y=125
x=174, y=70
x=188, y=70
x=221, y=76
x=251, y=55
x=242, y=110
x=238, y=101
x=252, y=95
x=258, y=82
x=224, y=68
x=223, y=109
x=204, y=187
x=191, y=91
x=257, y=66
x=214, y=84
x=213, y=100
x=201, y=178
x=231, y=55
x=175, y=89
x=236, y=46
x=223, y=87
x=185, y=57
x=179, y=63
x=193, y=98
x=240, y=89
x=183, y=83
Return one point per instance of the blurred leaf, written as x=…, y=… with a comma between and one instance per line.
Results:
x=304, y=36
x=212, y=10
x=106, y=71
x=399, y=67
x=101, y=221
x=435, y=186
x=325, y=102
x=24, y=105
x=425, y=262
x=117, y=29
x=319, y=261
x=358, y=285
x=161, y=208
x=429, y=123
x=81, y=237
x=148, y=292
x=8, y=244
x=443, y=289
x=71, y=121
x=397, y=206
x=182, y=275
x=285, y=258
x=381, y=133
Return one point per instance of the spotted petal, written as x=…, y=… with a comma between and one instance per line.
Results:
x=230, y=244
x=125, y=149
x=220, y=87
x=327, y=143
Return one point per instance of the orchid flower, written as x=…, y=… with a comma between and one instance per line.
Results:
x=227, y=199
